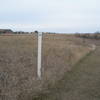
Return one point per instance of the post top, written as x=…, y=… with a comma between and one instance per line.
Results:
x=39, y=32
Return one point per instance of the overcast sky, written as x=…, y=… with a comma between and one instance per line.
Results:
x=50, y=15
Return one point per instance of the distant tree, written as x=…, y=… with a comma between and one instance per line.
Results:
x=97, y=32
x=96, y=35
x=36, y=31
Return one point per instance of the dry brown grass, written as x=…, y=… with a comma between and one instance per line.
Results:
x=18, y=62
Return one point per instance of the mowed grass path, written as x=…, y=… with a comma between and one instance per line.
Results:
x=82, y=83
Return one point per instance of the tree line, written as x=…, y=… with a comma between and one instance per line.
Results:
x=95, y=35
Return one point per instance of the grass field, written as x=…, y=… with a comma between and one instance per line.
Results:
x=81, y=83
x=18, y=63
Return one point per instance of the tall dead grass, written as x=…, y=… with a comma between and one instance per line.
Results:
x=18, y=63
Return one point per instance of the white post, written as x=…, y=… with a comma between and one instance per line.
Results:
x=39, y=58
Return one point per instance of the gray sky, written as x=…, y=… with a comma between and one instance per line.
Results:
x=50, y=15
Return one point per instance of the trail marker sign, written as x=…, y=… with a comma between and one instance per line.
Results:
x=39, y=58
